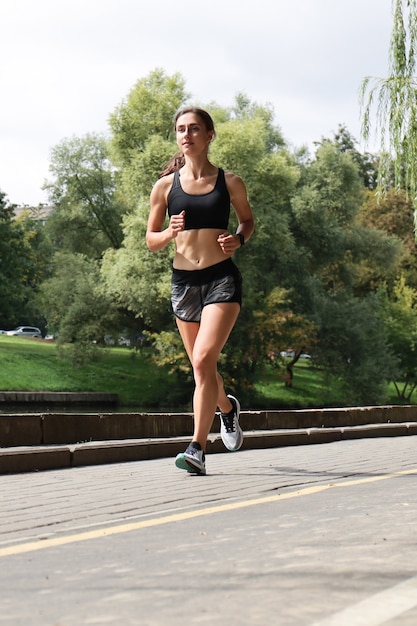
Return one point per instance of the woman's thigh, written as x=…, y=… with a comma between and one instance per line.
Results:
x=217, y=321
x=188, y=332
x=206, y=339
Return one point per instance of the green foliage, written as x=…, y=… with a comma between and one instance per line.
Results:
x=401, y=329
x=148, y=110
x=310, y=270
x=353, y=348
x=395, y=101
x=136, y=279
x=245, y=108
x=376, y=262
x=392, y=214
x=87, y=205
x=24, y=258
x=238, y=145
x=11, y=253
x=169, y=353
x=138, y=177
x=324, y=210
x=258, y=338
x=143, y=131
x=275, y=327
x=306, y=240
x=366, y=162
x=327, y=204
x=37, y=247
x=76, y=308
x=249, y=145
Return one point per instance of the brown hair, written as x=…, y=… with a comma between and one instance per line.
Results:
x=177, y=161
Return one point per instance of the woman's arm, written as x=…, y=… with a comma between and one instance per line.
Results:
x=239, y=199
x=158, y=238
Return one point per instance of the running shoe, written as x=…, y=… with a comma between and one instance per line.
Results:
x=192, y=460
x=230, y=430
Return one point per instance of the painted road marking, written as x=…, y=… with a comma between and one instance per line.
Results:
x=377, y=609
x=33, y=546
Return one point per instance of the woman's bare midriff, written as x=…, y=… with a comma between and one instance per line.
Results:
x=197, y=249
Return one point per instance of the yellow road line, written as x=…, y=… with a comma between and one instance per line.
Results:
x=33, y=546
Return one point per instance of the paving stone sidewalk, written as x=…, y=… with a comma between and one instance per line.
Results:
x=290, y=536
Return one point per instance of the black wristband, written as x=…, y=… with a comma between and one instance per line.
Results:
x=242, y=239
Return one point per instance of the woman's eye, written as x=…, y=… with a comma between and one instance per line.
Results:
x=191, y=129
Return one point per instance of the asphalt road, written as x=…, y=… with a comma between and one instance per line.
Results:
x=314, y=535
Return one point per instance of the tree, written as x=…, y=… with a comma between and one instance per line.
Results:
x=251, y=146
x=396, y=103
x=76, y=308
x=323, y=212
x=88, y=208
x=366, y=162
x=24, y=258
x=332, y=245
x=142, y=128
x=247, y=143
x=273, y=329
x=306, y=247
x=353, y=347
x=38, y=249
x=136, y=279
x=11, y=287
x=148, y=110
x=391, y=214
x=401, y=331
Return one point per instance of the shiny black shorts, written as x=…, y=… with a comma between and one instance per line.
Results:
x=191, y=290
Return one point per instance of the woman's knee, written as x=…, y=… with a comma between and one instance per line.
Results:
x=204, y=363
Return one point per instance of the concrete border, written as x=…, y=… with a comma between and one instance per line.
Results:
x=38, y=458
x=55, y=428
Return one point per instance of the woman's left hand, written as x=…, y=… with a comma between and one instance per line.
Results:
x=228, y=243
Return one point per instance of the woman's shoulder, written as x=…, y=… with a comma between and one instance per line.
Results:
x=233, y=181
x=165, y=181
x=161, y=189
x=163, y=185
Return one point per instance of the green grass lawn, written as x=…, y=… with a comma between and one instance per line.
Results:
x=34, y=365
x=308, y=389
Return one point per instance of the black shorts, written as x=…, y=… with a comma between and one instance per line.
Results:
x=194, y=289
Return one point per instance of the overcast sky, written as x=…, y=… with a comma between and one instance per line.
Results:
x=65, y=66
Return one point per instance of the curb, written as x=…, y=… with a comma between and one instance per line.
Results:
x=22, y=459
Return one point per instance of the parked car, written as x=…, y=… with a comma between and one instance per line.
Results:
x=24, y=331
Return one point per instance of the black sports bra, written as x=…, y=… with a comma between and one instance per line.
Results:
x=207, y=210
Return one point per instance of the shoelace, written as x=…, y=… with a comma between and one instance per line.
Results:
x=229, y=423
x=195, y=453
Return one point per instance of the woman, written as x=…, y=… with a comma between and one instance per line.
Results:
x=206, y=284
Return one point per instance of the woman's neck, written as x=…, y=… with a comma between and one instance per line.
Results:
x=198, y=168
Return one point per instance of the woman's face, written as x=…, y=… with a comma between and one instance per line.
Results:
x=192, y=135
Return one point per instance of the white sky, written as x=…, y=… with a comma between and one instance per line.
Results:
x=66, y=64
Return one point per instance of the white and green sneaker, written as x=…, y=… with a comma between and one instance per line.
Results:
x=192, y=460
x=230, y=430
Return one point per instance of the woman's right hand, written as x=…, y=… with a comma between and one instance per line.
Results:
x=177, y=224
